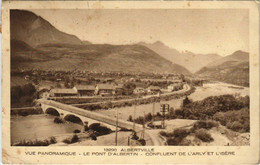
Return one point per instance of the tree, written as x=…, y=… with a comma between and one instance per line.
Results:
x=78, y=81
x=148, y=117
x=130, y=118
x=66, y=84
x=186, y=101
x=28, y=89
x=16, y=93
x=72, y=84
x=23, y=95
x=58, y=85
x=35, y=81
x=128, y=88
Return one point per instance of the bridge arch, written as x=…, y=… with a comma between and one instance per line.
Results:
x=52, y=111
x=74, y=119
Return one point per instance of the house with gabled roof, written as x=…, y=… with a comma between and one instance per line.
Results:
x=62, y=92
x=85, y=90
x=153, y=89
x=119, y=89
x=105, y=89
x=139, y=90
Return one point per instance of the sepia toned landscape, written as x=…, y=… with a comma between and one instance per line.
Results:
x=130, y=78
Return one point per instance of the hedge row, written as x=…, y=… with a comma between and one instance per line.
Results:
x=80, y=100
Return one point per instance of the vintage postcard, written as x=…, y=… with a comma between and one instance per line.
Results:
x=130, y=82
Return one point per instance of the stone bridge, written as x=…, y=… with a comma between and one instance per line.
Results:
x=81, y=115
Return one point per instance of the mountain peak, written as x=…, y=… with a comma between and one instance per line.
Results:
x=158, y=43
x=239, y=55
x=239, y=51
x=25, y=23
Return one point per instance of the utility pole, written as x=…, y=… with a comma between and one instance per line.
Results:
x=144, y=126
x=128, y=141
x=134, y=116
x=164, y=109
x=116, y=126
x=153, y=113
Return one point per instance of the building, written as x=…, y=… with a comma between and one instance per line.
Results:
x=44, y=95
x=119, y=89
x=139, y=90
x=63, y=92
x=153, y=89
x=177, y=81
x=85, y=90
x=174, y=87
x=105, y=89
x=44, y=92
x=109, y=80
x=27, y=77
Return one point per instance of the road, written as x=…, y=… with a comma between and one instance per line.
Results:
x=186, y=88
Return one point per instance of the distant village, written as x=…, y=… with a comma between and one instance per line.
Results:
x=109, y=90
x=93, y=84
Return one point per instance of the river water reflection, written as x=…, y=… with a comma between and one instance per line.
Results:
x=37, y=127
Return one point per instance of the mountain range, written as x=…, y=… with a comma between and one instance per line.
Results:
x=232, y=69
x=193, y=62
x=35, y=43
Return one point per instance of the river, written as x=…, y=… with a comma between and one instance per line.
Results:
x=216, y=89
x=208, y=89
x=38, y=127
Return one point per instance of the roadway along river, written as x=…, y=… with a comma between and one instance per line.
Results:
x=37, y=127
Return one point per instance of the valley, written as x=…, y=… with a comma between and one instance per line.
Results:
x=138, y=93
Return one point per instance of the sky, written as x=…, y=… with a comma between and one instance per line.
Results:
x=221, y=31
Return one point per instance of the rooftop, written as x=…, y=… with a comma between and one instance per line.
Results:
x=154, y=87
x=119, y=86
x=177, y=80
x=105, y=86
x=63, y=90
x=139, y=88
x=85, y=87
x=44, y=88
x=173, y=85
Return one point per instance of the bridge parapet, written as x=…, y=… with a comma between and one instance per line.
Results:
x=83, y=114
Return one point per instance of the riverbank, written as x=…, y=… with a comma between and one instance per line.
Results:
x=25, y=111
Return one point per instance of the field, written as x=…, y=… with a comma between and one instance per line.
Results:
x=125, y=112
x=17, y=80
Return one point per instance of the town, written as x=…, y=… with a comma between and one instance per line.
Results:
x=92, y=84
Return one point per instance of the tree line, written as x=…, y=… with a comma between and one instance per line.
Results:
x=23, y=95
